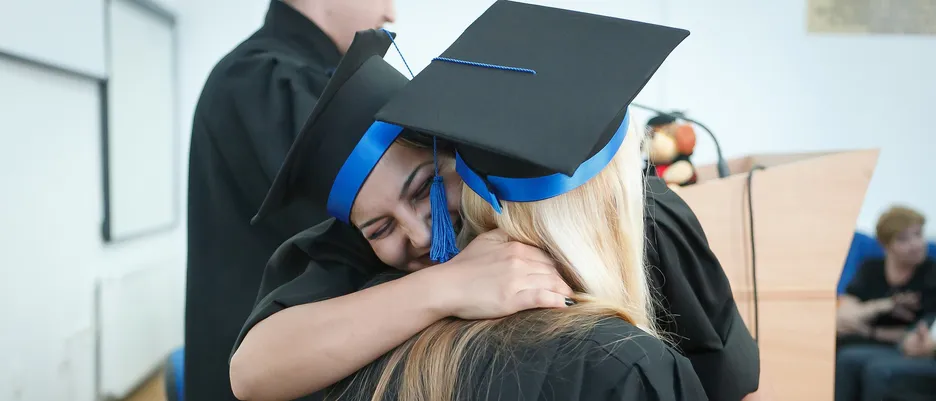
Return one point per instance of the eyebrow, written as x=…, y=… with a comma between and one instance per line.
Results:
x=403, y=191
x=409, y=180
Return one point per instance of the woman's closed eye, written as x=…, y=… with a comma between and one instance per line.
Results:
x=385, y=227
x=423, y=191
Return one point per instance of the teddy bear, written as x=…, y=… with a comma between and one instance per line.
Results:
x=670, y=147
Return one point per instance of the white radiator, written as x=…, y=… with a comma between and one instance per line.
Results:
x=139, y=321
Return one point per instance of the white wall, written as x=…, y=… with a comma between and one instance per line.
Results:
x=51, y=248
x=753, y=74
x=54, y=265
x=83, y=317
x=146, y=307
x=143, y=308
x=71, y=37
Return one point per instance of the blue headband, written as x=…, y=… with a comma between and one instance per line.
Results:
x=495, y=189
x=358, y=166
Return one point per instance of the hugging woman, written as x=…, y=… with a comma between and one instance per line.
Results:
x=314, y=326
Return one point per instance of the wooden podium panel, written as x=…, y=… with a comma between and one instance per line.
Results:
x=805, y=208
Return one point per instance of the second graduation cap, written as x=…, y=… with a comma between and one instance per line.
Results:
x=534, y=98
x=340, y=143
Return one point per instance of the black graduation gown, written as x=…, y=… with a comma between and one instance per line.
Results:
x=700, y=310
x=253, y=104
x=696, y=296
x=614, y=361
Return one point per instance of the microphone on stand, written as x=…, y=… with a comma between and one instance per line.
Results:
x=723, y=170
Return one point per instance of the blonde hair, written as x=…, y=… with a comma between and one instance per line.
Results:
x=894, y=221
x=596, y=234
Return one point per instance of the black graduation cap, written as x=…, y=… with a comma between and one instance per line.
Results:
x=341, y=120
x=532, y=91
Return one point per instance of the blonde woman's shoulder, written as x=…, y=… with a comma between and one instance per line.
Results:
x=621, y=359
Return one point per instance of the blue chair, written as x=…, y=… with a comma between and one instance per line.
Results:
x=864, y=247
x=175, y=375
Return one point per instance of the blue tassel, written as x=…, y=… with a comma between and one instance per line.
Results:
x=443, y=233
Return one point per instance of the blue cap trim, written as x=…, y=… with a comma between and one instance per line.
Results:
x=493, y=189
x=359, y=164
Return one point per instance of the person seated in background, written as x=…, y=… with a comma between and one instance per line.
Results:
x=884, y=300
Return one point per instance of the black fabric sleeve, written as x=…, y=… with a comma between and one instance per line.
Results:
x=928, y=295
x=669, y=379
x=327, y=261
x=861, y=285
x=699, y=310
x=316, y=283
x=272, y=98
x=625, y=363
x=268, y=99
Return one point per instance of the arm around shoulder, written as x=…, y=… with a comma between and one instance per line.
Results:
x=311, y=332
x=311, y=342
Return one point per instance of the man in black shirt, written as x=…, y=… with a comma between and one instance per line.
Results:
x=253, y=104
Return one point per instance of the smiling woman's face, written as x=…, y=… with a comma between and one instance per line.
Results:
x=392, y=208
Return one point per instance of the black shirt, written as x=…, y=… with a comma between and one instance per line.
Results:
x=870, y=283
x=690, y=282
x=252, y=105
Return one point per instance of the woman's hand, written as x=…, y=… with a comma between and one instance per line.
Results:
x=494, y=277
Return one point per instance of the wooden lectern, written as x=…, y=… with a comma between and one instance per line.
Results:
x=805, y=208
